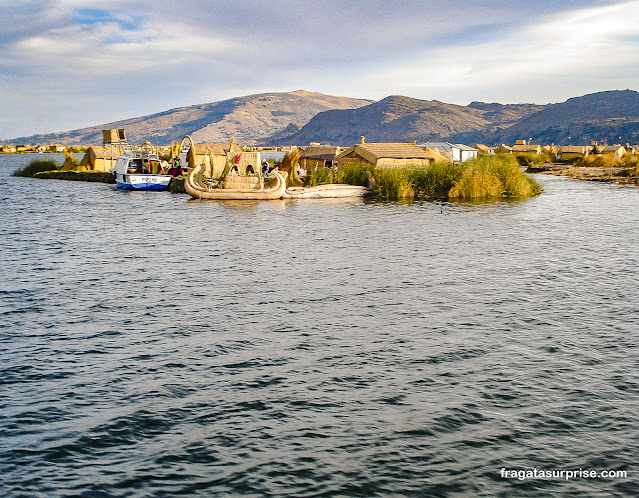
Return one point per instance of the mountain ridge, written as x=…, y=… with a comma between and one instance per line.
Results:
x=301, y=117
x=249, y=119
x=400, y=118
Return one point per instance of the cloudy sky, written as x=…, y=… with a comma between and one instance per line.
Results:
x=67, y=64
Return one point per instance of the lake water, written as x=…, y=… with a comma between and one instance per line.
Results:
x=151, y=345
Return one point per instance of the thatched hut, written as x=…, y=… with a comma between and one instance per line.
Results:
x=569, y=153
x=385, y=155
x=101, y=157
x=526, y=150
x=454, y=152
x=614, y=152
x=503, y=149
x=484, y=150
x=214, y=156
x=314, y=157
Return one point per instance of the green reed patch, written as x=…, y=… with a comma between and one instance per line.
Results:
x=79, y=176
x=37, y=166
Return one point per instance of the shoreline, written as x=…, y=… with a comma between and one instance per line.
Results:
x=623, y=176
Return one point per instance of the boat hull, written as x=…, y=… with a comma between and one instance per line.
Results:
x=329, y=191
x=143, y=182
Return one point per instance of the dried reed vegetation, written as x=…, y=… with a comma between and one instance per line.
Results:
x=289, y=164
x=607, y=161
x=482, y=178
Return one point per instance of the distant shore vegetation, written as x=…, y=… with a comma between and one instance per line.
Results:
x=487, y=177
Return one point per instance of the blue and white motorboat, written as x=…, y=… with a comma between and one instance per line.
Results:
x=140, y=170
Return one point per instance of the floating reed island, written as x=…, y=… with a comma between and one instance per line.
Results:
x=48, y=169
x=487, y=177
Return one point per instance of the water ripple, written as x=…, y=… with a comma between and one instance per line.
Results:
x=164, y=347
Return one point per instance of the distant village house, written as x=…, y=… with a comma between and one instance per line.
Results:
x=317, y=157
x=503, y=149
x=101, y=157
x=567, y=153
x=484, y=150
x=455, y=152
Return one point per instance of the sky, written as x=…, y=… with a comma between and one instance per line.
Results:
x=68, y=64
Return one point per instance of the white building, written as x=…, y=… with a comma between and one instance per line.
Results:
x=457, y=152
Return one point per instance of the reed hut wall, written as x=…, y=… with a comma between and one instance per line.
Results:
x=411, y=163
x=100, y=158
x=317, y=157
x=613, y=151
x=354, y=161
x=310, y=164
x=571, y=152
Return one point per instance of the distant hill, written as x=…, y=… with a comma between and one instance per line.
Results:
x=611, y=116
x=249, y=119
x=300, y=117
x=398, y=118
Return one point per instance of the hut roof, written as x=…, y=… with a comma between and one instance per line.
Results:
x=445, y=146
x=439, y=158
x=575, y=149
x=327, y=153
x=482, y=147
x=526, y=148
x=375, y=151
x=216, y=149
x=465, y=147
x=504, y=147
x=612, y=148
x=104, y=152
x=438, y=146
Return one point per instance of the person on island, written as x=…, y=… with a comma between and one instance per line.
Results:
x=176, y=170
x=265, y=167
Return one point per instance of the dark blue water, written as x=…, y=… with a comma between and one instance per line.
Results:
x=155, y=346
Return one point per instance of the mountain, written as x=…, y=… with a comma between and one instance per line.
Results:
x=300, y=117
x=249, y=119
x=397, y=118
x=610, y=116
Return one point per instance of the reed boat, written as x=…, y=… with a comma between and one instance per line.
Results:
x=196, y=188
x=331, y=190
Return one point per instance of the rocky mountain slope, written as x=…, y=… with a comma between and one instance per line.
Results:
x=398, y=118
x=249, y=119
x=611, y=116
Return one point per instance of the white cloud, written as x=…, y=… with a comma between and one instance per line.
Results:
x=102, y=48
x=573, y=46
x=69, y=63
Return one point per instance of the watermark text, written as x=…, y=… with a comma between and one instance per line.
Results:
x=566, y=475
